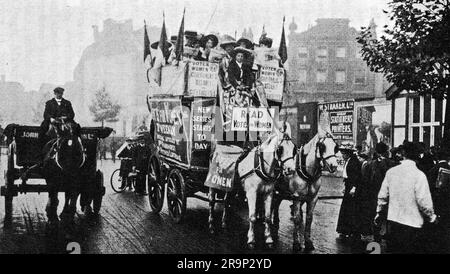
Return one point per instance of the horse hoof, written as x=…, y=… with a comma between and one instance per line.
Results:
x=297, y=247
x=224, y=226
x=211, y=231
x=269, y=246
x=309, y=246
x=251, y=246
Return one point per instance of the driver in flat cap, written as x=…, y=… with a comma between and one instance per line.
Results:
x=56, y=108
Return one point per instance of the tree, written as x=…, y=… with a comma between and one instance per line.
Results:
x=414, y=53
x=104, y=108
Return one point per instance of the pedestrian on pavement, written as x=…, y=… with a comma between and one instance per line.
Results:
x=113, y=147
x=405, y=201
x=438, y=236
x=425, y=161
x=348, y=221
x=373, y=175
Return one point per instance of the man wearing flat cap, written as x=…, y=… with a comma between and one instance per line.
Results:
x=56, y=108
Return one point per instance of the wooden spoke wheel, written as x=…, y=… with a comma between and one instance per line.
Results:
x=176, y=195
x=155, y=185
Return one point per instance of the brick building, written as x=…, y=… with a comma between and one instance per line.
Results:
x=325, y=64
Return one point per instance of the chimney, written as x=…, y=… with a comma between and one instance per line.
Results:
x=96, y=34
x=3, y=78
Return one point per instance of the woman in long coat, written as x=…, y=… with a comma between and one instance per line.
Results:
x=348, y=222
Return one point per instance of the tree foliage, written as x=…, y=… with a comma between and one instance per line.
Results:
x=414, y=53
x=104, y=108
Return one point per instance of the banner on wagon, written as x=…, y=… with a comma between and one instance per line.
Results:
x=272, y=79
x=171, y=127
x=222, y=167
x=260, y=119
x=202, y=127
x=203, y=79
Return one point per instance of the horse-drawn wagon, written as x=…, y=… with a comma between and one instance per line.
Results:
x=203, y=131
x=24, y=154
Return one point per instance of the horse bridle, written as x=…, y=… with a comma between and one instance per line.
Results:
x=321, y=159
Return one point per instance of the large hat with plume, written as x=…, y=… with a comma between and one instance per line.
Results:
x=228, y=40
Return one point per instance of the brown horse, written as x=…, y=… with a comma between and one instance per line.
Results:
x=303, y=186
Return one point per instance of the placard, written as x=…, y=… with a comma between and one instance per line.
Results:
x=259, y=119
x=203, y=79
x=173, y=82
x=272, y=79
x=222, y=167
x=202, y=126
x=170, y=128
x=341, y=120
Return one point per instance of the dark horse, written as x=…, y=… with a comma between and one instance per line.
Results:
x=61, y=168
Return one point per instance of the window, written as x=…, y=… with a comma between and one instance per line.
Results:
x=322, y=53
x=321, y=76
x=340, y=76
x=341, y=52
x=302, y=76
x=303, y=52
x=360, y=77
x=426, y=125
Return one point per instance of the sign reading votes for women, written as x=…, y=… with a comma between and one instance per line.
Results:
x=341, y=119
x=272, y=79
x=203, y=79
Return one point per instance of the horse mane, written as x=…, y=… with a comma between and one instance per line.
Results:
x=308, y=146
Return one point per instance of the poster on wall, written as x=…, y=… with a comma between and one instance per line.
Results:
x=341, y=120
x=171, y=128
x=373, y=126
x=202, y=127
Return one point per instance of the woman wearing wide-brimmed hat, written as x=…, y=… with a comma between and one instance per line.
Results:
x=348, y=221
x=207, y=43
x=228, y=45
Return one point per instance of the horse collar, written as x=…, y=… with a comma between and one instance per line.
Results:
x=301, y=168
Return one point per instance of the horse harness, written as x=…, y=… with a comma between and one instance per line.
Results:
x=300, y=162
x=259, y=164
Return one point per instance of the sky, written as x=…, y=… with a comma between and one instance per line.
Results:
x=27, y=50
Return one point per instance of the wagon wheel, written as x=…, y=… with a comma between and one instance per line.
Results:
x=155, y=185
x=116, y=181
x=9, y=180
x=99, y=192
x=176, y=196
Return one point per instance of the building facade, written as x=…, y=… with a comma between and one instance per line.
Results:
x=115, y=62
x=325, y=64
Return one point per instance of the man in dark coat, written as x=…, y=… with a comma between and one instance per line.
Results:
x=375, y=172
x=348, y=221
x=438, y=236
x=56, y=108
x=425, y=161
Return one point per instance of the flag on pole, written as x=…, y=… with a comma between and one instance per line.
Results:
x=163, y=44
x=180, y=40
x=147, y=51
x=282, y=50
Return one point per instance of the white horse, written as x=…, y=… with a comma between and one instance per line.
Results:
x=259, y=171
x=303, y=186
